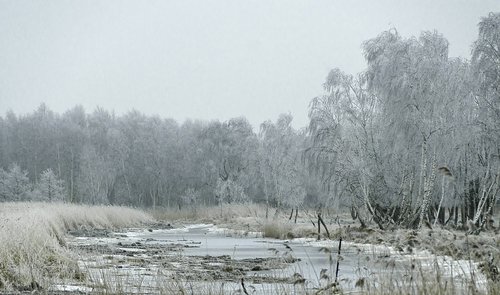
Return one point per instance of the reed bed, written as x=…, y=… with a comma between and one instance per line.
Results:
x=32, y=237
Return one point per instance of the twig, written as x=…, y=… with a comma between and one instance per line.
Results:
x=320, y=220
x=338, y=260
x=243, y=285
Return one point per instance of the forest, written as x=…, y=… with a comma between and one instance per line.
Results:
x=412, y=140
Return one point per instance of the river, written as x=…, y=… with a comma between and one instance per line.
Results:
x=203, y=258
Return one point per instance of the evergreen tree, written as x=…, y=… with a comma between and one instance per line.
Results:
x=14, y=184
x=50, y=188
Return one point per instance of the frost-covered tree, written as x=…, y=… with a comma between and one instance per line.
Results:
x=344, y=147
x=190, y=198
x=280, y=163
x=49, y=188
x=14, y=184
x=379, y=138
x=71, y=139
x=96, y=176
x=293, y=185
x=408, y=75
x=229, y=151
x=486, y=65
x=228, y=191
x=486, y=69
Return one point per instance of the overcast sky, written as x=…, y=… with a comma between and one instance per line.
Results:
x=206, y=59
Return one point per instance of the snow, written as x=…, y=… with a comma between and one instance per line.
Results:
x=71, y=288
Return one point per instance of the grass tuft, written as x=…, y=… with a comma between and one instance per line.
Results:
x=277, y=230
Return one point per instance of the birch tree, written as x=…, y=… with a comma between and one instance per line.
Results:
x=486, y=69
x=406, y=75
x=343, y=146
x=281, y=169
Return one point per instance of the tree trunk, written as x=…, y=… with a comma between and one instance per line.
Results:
x=423, y=169
x=428, y=191
x=71, y=190
x=319, y=227
x=484, y=196
x=441, y=216
x=129, y=190
x=491, y=203
x=267, y=207
x=440, y=202
x=320, y=221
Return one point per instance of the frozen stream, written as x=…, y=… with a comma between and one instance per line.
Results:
x=216, y=242
x=197, y=256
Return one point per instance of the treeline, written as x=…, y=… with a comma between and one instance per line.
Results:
x=146, y=161
x=414, y=139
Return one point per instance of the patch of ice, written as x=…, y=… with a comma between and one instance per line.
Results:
x=216, y=230
x=175, y=230
x=131, y=234
x=199, y=225
x=81, y=238
x=132, y=249
x=71, y=288
x=304, y=240
x=232, y=232
x=458, y=269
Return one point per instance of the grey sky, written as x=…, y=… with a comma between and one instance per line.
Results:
x=202, y=59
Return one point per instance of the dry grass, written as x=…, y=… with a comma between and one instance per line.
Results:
x=438, y=276
x=226, y=212
x=239, y=217
x=277, y=230
x=33, y=251
x=242, y=217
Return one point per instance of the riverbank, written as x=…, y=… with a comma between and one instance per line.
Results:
x=213, y=260
x=447, y=241
x=34, y=253
x=63, y=248
x=482, y=249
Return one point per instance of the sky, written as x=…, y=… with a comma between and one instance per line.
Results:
x=206, y=59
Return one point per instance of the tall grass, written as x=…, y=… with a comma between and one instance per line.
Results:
x=418, y=278
x=235, y=215
x=32, y=239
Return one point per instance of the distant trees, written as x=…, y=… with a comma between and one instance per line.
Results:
x=229, y=191
x=280, y=163
x=190, y=198
x=15, y=186
x=229, y=154
x=137, y=160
